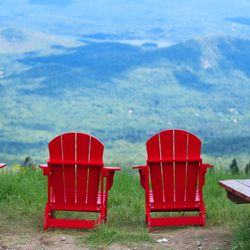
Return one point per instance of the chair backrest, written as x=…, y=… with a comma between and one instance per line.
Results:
x=76, y=162
x=173, y=160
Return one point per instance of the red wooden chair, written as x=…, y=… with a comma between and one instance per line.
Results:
x=173, y=178
x=77, y=180
x=2, y=165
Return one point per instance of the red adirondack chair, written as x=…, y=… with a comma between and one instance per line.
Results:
x=77, y=180
x=2, y=165
x=173, y=178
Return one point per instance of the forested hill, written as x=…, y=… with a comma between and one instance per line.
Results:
x=123, y=94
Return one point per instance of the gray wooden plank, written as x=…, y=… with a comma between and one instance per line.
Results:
x=237, y=187
x=245, y=182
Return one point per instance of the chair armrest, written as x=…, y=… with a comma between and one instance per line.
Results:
x=2, y=165
x=205, y=166
x=108, y=171
x=109, y=174
x=45, y=169
x=143, y=170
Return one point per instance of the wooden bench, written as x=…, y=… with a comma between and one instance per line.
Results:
x=238, y=191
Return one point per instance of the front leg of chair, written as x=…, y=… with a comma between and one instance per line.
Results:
x=108, y=174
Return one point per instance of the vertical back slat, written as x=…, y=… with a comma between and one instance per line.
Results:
x=168, y=177
x=153, y=149
x=56, y=176
x=68, y=146
x=156, y=182
x=96, y=151
x=167, y=154
x=192, y=178
x=81, y=187
x=95, y=156
x=93, y=184
x=180, y=140
x=55, y=149
x=194, y=149
x=154, y=154
x=57, y=184
x=83, y=143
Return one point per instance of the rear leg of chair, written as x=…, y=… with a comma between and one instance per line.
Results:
x=47, y=214
x=148, y=222
x=203, y=214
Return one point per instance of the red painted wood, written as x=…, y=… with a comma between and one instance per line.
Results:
x=71, y=223
x=167, y=146
x=156, y=182
x=55, y=149
x=69, y=147
x=75, y=180
x=96, y=152
x=180, y=182
x=155, y=169
x=57, y=184
x=2, y=165
x=177, y=176
x=93, y=184
x=177, y=221
x=83, y=143
x=82, y=173
x=180, y=144
x=194, y=147
x=192, y=181
x=70, y=188
x=168, y=176
x=153, y=149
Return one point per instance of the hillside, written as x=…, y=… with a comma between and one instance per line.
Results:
x=123, y=94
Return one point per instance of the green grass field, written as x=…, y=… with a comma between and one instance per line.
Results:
x=23, y=196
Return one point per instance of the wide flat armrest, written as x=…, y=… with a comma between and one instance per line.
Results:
x=108, y=171
x=207, y=165
x=45, y=169
x=2, y=165
x=139, y=167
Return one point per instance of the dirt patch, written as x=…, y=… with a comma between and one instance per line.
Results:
x=187, y=238
x=194, y=238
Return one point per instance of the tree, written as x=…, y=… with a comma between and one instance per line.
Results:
x=28, y=162
x=234, y=169
x=247, y=169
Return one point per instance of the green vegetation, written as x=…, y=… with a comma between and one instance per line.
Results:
x=241, y=240
x=234, y=169
x=23, y=197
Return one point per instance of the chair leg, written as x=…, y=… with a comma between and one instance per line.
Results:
x=47, y=214
x=203, y=213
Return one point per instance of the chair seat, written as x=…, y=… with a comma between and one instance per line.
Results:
x=175, y=206
x=80, y=207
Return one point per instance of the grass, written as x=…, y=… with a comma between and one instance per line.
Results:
x=23, y=195
x=241, y=240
